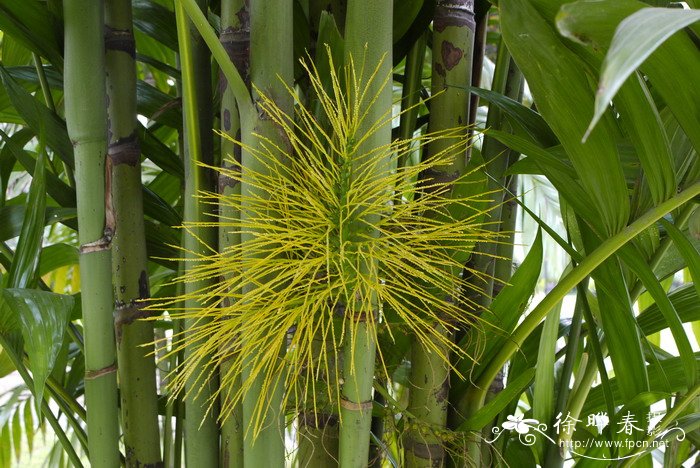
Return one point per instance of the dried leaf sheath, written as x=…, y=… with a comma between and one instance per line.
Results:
x=311, y=238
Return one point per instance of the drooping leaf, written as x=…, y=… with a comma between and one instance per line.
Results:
x=672, y=65
x=25, y=263
x=636, y=38
x=42, y=317
x=670, y=370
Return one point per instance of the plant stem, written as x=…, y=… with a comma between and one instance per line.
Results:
x=86, y=118
x=200, y=426
x=137, y=370
x=368, y=43
x=271, y=68
x=410, y=94
x=235, y=37
x=453, y=44
x=237, y=83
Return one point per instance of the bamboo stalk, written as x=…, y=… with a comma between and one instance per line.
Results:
x=86, y=118
x=368, y=42
x=453, y=43
x=271, y=67
x=235, y=37
x=137, y=377
x=200, y=426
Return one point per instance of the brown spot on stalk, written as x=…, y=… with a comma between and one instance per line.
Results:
x=440, y=70
x=226, y=181
x=451, y=55
x=227, y=120
x=144, y=290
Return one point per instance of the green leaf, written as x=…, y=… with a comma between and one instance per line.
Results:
x=29, y=23
x=544, y=398
x=11, y=218
x=57, y=256
x=636, y=38
x=17, y=434
x=684, y=300
x=672, y=67
x=634, y=260
x=507, y=307
x=25, y=263
x=156, y=21
x=617, y=320
x=43, y=318
x=670, y=370
x=531, y=122
x=39, y=118
x=13, y=53
x=6, y=365
x=55, y=187
x=160, y=154
x=29, y=429
x=687, y=251
x=557, y=79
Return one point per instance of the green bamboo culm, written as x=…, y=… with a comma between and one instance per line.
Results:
x=271, y=70
x=201, y=431
x=453, y=43
x=137, y=372
x=235, y=37
x=368, y=44
x=86, y=118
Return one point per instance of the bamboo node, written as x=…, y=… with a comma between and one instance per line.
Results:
x=120, y=40
x=352, y=406
x=127, y=313
x=424, y=450
x=94, y=374
x=100, y=245
x=125, y=151
x=457, y=13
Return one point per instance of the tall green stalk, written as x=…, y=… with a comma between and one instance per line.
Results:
x=86, y=118
x=453, y=42
x=271, y=68
x=137, y=376
x=201, y=428
x=235, y=37
x=368, y=42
